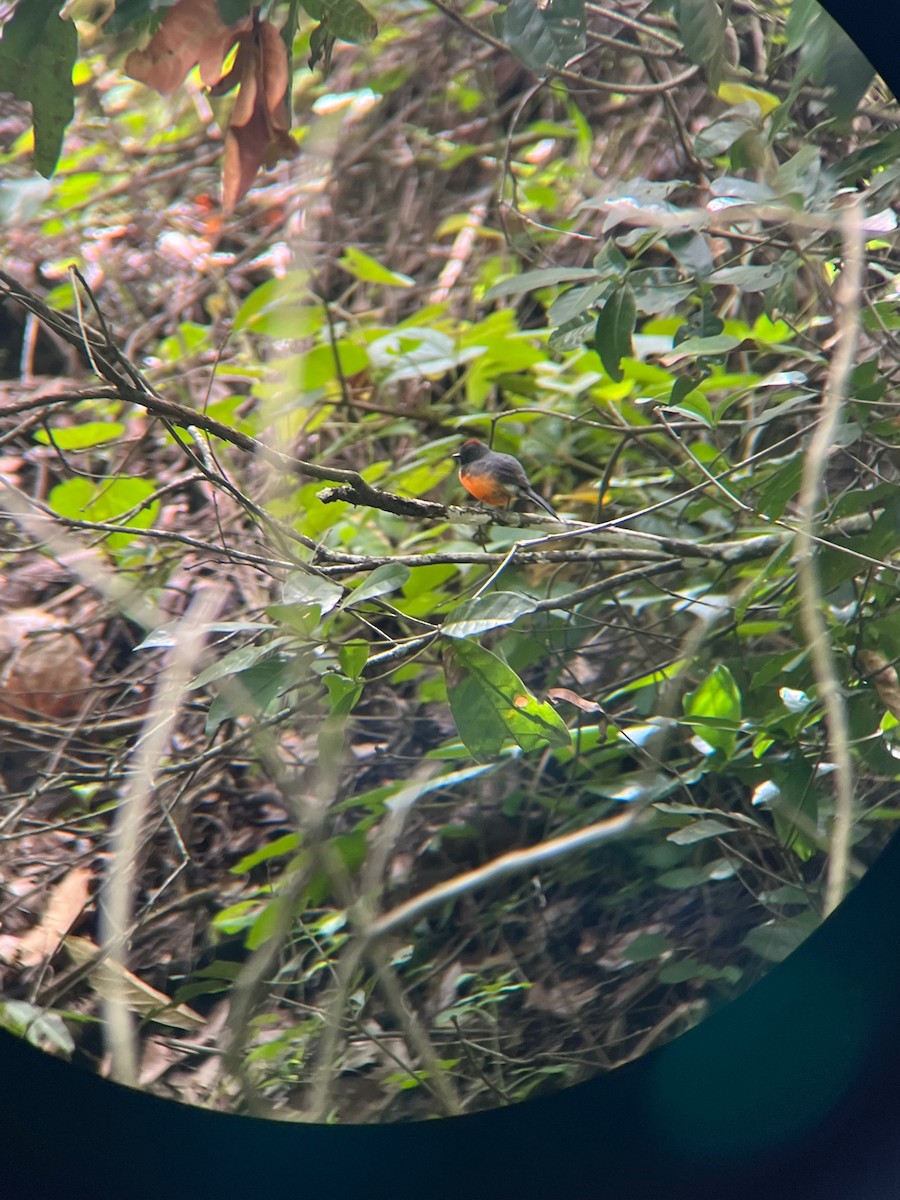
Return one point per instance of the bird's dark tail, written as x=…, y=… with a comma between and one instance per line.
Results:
x=538, y=499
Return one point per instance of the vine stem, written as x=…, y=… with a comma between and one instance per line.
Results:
x=811, y=600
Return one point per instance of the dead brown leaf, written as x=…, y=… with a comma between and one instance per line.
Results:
x=192, y=34
x=42, y=670
x=562, y=999
x=64, y=907
x=258, y=133
x=111, y=981
x=562, y=693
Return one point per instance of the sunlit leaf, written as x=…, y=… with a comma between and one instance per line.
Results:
x=719, y=697
x=362, y=266
x=121, y=501
x=81, y=437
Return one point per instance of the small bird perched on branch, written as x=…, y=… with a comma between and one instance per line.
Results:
x=497, y=479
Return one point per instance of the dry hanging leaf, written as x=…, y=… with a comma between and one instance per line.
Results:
x=192, y=34
x=42, y=670
x=561, y=693
x=258, y=132
x=112, y=982
x=64, y=907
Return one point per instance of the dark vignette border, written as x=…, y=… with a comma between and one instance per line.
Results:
x=791, y=1091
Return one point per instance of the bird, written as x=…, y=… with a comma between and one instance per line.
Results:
x=497, y=479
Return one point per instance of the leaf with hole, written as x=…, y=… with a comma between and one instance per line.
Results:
x=491, y=705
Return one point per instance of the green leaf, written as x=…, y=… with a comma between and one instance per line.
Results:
x=490, y=611
x=702, y=29
x=134, y=12
x=699, y=347
x=389, y=577
x=750, y=278
x=367, y=269
x=281, y=307
x=699, y=831
x=108, y=503
x=344, y=19
x=573, y=334
x=646, y=947
x=614, y=329
x=343, y=693
x=718, y=697
x=249, y=692
x=231, y=664
x=37, y=54
x=577, y=300
x=693, y=252
x=684, y=398
x=40, y=1026
x=286, y=844
x=722, y=133
x=353, y=656
x=687, y=877
x=490, y=704
x=543, y=36
x=81, y=437
x=827, y=56
x=658, y=290
x=775, y=940
x=237, y=917
x=690, y=968
x=530, y=281
x=303, y=588
x=781, y=488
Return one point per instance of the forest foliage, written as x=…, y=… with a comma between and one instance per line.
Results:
x=399, y=806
